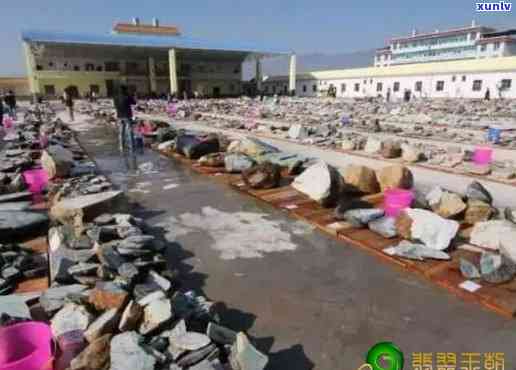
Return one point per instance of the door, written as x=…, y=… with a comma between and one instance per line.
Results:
x=110, y=88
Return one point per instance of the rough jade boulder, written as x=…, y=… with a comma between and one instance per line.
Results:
x=321, y=183
x=57, y=161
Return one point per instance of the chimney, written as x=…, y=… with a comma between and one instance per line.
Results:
x=155, y=22
x=136, y=21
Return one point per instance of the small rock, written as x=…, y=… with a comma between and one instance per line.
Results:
x=360, y=179
x=476, y=169
x=477, y=211
x=127, y=353
x=57, y=161
x=71, y=317
x=53, y=299
x=348, y=145
x=14, y=306
x=468, y=269
x=155, y=278
x=385, y=226
x=104, y=324
x=411, y=153
x=236, y=163
x=373, y=146
x=245, y=356
x=104, y=219
x=264, y=176
x=20, y=223
x=415, y=251
x=155, y=314
x=83, y=269
x=95, y=356
x=391, y=149
x=476, y=191
x=195, y=357
x=445, y=204
x=108, y=295
x=128, y=271
x=496, y=269
x=320, y=182
x=131, y=316
x=298, y=131
x=192, y=341
x=361, y=217
x=220, y=334
x=212, y=160
x=395, y=177
x=493, y=234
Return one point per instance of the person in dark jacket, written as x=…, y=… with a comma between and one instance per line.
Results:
x=10, y=102
x=123, y=102
x=487, y=96
x=68, y=100
x=1, y=112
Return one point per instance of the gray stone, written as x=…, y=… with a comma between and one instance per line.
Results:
x=15, y=206
x=14, y=306
x=468, y=269
x=220, y=334
x=20, y=223
x=432, y=230
x=109, y=257
x=496, y=269
x=71, y=317
x=131, y=316
x=128, y=353
x=104, y=324
x=493, y=234
x=373, y=145
x=244, y=356
x=415, y=251
x=510, y=215
x=24, y=195
x=155, y=314
x=320, y=182
x=134, y=253
x=236, y=163
x=104, y=219
x=178, y=330
x=57, y=161
x=192, y=341
x=83, y=269
x=137, y=242
x=297, y=131
x=94, y=357
x=150, y=297
x=155, y=278
x=108, y=295
x=54, y=298
x=476, y=191
x=128, y=271
x=361, y=217
x=195, y=357
x=11, y=273
x=385, y=226
x=207, y=365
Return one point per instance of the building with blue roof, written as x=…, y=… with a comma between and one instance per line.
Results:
x=148, y=58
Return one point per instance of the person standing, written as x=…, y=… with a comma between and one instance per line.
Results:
x=1, y=111
x=123, y=105
x=68, y=100
x=10, y=101
x=487, y=96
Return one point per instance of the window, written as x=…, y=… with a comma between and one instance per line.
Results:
x=274, y=89
x=365, y=81
x=342, y=88
x=477, y=85
x=396, y=87
x=496, y=45
x=285, y=89
x=506, y=84
x=76, y=68
x=463, y=78
x=304, y=88
x=357, y=87
x=454, y=78
x=99, y=68
x=50, y=90
x=314, y=88
x=439, y=86
x=95, y=89
x=236, y=70
x=483, y=48
x=419, y=86
x=112, y=66
x=89, y=67
x=39, y=67
x=50, y=64
x=379, y=86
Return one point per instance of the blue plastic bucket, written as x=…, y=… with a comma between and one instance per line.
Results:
x=494, y=134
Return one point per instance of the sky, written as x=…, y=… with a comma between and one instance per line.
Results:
x=303, y=26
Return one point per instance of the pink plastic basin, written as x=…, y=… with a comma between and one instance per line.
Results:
x=8, y=122
x=395, y=200
x=36, y=180
x=483, y=155
x=26, y=346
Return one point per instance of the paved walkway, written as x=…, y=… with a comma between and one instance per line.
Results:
x=311, y=302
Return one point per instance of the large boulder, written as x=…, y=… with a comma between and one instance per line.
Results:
x=20, y=223
x=427, y=227
x=445, y=203
x=476, y=191
x=264, y=176
x=57, y=161
x=478, y=211
x=194, y=147
x=493, y=234
x=127, y=352
x=395, y=177
x=373, y=145
x=297, y=131
x=321, y=182
x=410, y=153
x=360, y=179
x=236, y=162
x=251, y=147
x=391, y=149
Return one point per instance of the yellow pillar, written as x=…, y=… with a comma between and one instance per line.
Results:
x=152, y=76
x=31, y=69
x=173, y=71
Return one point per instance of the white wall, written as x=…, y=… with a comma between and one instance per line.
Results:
x=452, y=89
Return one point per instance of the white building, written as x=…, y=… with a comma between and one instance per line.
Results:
x=472, y=42
x=468, y=78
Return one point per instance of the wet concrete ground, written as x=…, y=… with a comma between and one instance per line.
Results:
x=321, y=305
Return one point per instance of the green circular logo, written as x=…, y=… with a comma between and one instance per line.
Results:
x=390, y=355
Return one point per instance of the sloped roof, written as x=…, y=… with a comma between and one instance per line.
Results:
x=147, y=41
